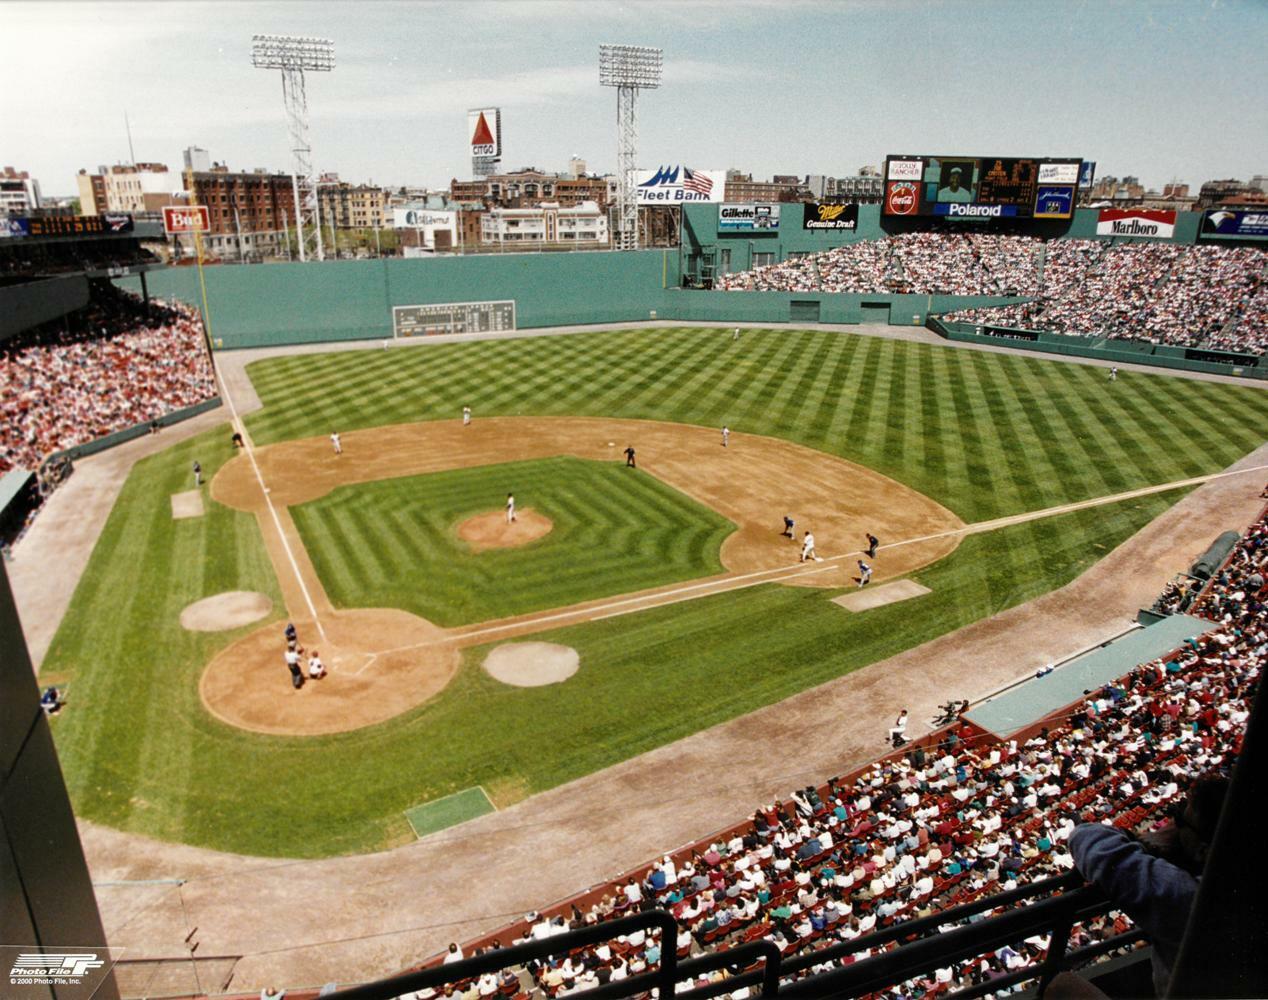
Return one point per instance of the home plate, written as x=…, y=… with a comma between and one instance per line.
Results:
x=866, y=598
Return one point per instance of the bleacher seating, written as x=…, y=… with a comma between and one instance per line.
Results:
x=113, y=365
x=954, y=818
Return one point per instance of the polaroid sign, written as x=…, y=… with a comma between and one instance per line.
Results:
x=1141, y=223
x=763, y=217
x=674, y=185
x=954, y=210
x=824, y=217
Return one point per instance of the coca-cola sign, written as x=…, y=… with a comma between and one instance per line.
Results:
x=902, y=198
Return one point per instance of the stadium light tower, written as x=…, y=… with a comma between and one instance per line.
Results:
x=294, y=56
x=628, y=68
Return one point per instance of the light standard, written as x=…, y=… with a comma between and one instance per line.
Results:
x=295, y=55
x=628, y=68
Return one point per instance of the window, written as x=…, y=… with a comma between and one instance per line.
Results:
x=725, y=261
x=763, y=259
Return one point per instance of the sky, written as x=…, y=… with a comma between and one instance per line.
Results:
x=1162, y=90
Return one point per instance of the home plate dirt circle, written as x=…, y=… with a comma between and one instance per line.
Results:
x=232, y=609
x=532, y=664
x=491, y=531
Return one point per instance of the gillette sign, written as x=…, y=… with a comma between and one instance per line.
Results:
x=957, y=210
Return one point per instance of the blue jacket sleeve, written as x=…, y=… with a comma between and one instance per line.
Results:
x=1156, y=894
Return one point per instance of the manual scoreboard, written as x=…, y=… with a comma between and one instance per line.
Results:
x=453, y=317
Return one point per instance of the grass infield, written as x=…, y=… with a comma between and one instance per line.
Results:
x=394, y=544
x=985, y=434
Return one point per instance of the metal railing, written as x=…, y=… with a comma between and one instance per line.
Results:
x=1049, y=907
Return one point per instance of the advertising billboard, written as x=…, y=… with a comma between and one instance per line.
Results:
x=1087, y=173
x=763, y=217
x=981, y=187
x=484, y=131
x=186, y=219
x=1225, y=222
x=421, y=218
x=1140, y=222
x=677, y=184
x=1054, y=201
x=816, y=215
x=902, y=198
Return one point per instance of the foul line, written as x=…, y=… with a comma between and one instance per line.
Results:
x=264, y=491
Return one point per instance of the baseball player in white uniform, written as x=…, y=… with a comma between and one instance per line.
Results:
x=334, y=440
x=466, y=416
x=726, y=435
x=808, y=547
x=865, y=573
x=510, y=508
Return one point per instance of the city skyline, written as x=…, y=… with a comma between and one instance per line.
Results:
x=1143, y=89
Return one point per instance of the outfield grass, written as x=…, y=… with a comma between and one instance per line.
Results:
x=985, y=434
x=140, y=753
x=394, y=543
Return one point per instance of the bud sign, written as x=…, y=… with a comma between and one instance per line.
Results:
x=186, y=219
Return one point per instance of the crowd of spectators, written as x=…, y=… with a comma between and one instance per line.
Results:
x=915, y=263
x=113, y=365
x=1164, y=293
x=947, y=823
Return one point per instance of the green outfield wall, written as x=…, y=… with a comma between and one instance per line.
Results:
x=1101, y=348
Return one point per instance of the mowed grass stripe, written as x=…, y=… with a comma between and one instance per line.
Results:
x=616, y=530
x=695, y=377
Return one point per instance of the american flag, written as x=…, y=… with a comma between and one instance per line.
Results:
x=693, y=180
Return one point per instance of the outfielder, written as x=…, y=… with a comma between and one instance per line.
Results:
x=726, y=435
x=466, y=416
x=510, y=508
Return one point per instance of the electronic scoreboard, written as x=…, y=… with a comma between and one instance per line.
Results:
x=453, y=317
x=981, y=187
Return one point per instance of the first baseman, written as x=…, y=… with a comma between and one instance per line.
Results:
x=808, y=547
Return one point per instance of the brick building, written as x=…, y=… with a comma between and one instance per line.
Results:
x=257, y=204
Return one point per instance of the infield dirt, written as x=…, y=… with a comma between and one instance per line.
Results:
x=384, y=661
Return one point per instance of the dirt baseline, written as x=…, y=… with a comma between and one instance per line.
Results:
x=392, y=661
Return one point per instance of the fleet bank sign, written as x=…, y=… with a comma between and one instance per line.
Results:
x=1142, y=223
x=676, y=184
x=733, y=218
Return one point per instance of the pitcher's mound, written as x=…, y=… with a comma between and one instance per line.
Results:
x=490, y=531
x=532, y=664
x=232, y=609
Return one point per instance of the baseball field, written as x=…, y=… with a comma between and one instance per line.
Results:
x=671, y=582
